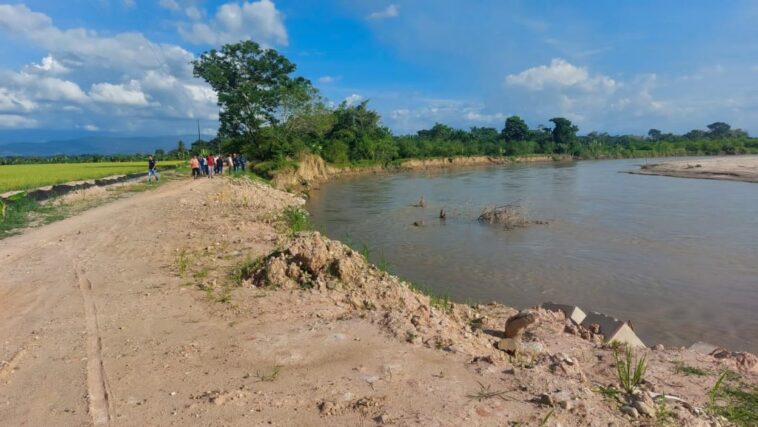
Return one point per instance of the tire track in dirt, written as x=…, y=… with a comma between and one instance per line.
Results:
x=7, y=367
x=97, y=381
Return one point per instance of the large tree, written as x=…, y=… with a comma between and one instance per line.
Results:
x=564, y=134
x=254, y=86
x=718, y=130
x=515, y=129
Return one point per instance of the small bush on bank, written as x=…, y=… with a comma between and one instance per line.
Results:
x=297, y=219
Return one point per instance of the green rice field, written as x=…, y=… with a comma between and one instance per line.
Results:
x=24, y=177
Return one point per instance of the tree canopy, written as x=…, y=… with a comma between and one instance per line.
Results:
x=515, y=129
x=253, y=85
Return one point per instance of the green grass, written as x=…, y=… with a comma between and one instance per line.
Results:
x=182, y=262
x=663, y=415
x=546, y=418
x=245, y=270
x=441, y=302
x=271, y=377
x=21, y=212
x=630, y=371
x=365, y=251
x=610, y=392
x=681, y=368
x=485, y=392
x=734, y=400
x=24, y=177
x=384, y=265
x=296, y=219
x=741, y=406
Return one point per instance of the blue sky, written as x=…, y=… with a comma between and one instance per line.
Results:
x=121, y=66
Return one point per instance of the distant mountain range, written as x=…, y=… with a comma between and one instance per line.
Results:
x=105, y=145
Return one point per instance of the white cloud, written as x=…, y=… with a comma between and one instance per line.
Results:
x=560, y=74
x=118, y=94
x=259, y=21
x=13, y=102
x=390, y=11
x=353, y=99
x=129, y=4
x=479, y=117
x=125, y=53
x=169, y=4
x=91, y=128
x=12, y=121
x=20, y=19
x=37, y=87
x=142, y=83
x=328, y=79
x=194, y=13
x=424, y=113
x=48, y=65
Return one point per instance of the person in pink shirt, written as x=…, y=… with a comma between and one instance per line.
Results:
x=195, y=166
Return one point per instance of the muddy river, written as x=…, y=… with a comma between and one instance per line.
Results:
x=678, y=257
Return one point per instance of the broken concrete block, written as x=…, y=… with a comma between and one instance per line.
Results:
x=704, y=348
x=572, y=312
x=613, y=329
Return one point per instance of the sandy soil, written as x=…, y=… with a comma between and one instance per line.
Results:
x=736, y=168
x=129, y=314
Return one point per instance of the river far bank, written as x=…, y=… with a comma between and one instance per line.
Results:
x=735, y=168
x=312, y=170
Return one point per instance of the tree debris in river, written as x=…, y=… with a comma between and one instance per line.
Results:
x=510, y=216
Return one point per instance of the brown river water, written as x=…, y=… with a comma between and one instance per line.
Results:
x=678, y=257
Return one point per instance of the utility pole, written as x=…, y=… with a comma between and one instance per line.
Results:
x=198, y=130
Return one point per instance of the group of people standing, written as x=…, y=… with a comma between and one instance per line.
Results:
x=215, y=165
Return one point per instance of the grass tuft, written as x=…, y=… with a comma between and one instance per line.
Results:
x=245, y=270
x=297, y=219
x=681, y=368
x=733, y=400
x=546, y=418
x=629, y=370
x=485, y=392
x=270, y=377
x=610, y=392
x=442, y=302
x=182, y=262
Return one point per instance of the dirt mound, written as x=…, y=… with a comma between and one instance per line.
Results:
x=314, y=262
x=258, y=197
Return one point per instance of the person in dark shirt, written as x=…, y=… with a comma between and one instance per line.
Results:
x=152, y=170
x=242, y=162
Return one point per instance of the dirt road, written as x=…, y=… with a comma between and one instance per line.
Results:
x=96, y=327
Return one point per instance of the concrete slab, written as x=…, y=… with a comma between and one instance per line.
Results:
x=572, y=312
x=704, y=348
x=613, y=329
